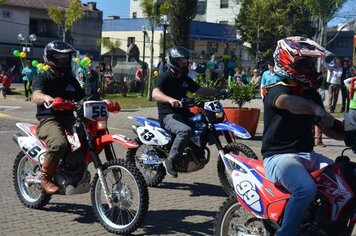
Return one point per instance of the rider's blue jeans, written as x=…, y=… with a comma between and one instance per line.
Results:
x=292, y=171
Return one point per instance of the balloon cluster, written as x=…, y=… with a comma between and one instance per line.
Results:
x=17, y=53
x=82, y=62
x=40, y=66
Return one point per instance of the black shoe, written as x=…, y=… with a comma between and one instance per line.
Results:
x=168, y=164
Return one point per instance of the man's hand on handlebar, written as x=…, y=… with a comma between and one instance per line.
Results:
x=175, y=102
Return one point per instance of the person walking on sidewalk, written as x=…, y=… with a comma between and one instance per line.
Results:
x=28, y=74
x=334, y=79
x=5, y=81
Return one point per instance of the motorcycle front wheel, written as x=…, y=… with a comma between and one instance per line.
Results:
x=238, y=149
x=30, y=194
x=233, y=219
x=128, y=195
x=153, y=173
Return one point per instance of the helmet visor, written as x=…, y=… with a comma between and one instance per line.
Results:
x=305, y=65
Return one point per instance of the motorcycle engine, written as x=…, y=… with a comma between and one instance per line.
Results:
x=193, y=159
x=72, y=176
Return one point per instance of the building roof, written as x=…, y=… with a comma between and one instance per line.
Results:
x=42, y=4
x=198, y=30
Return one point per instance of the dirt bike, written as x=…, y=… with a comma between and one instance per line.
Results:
x=119, y=192
x=257, y=206
x=155, y=143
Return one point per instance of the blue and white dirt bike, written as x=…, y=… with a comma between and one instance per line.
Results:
x=207, y=126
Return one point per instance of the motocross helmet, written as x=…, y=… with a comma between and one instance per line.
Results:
x=296, y=58
x=59, y=54
x=178, y=59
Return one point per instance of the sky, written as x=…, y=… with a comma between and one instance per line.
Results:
x=122, y=8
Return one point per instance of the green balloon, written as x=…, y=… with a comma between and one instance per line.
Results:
x=35, y=63
x=84, y=63
x=16, y=53
x=40, y=70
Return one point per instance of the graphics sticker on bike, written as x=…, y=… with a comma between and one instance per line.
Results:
x=247, y=190
x=152, y=135
x=214, y=106
x=95, y=110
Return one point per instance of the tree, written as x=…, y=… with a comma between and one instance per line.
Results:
x=152, y=10
x=181, y=15
x=65, y=18
x=2, y=1
x=324, y=11
x=263, y=22
x=111, y=45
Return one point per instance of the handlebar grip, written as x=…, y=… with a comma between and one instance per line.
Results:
x=47, y=106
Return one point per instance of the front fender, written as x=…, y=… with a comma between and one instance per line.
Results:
x=124, y=141
x=235, y=129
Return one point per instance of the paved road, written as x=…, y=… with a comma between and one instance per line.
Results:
x=183, y=206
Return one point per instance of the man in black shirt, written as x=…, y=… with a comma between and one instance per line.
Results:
x=171, y=87
x=58, y=81
x=290, y=108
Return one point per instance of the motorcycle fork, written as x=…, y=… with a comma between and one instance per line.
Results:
x=99, y=168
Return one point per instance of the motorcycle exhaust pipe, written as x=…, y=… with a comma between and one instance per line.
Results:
x=134, y=128
x=16, y=136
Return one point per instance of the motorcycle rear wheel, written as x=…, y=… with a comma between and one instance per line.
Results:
x=238, y=149
x=153, y=174
x=233, y=219
x=31, y=195
x=129, y=196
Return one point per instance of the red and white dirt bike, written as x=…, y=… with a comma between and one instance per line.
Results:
x=119, y=192
x=258, y=205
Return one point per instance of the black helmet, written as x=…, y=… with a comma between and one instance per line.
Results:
x=175, y=54
x=57, y=50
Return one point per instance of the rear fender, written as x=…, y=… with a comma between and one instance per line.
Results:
x=122, y=140
x=32, y=147
x=233, y=128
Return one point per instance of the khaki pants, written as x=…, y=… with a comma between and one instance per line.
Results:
x=333, y=96
x=51, y=131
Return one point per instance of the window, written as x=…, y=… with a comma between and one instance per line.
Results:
x=134, y=15
x=201, y=8
x=224, y=3
x=212, y=47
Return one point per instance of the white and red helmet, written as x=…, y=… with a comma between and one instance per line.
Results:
x=296, y=57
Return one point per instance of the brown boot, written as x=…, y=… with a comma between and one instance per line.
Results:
x=47, y=171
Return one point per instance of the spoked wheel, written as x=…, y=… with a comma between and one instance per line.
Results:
x=30, y=194
x=144, y=158
x=233, y=219
x=238, y=149
x=128, y=196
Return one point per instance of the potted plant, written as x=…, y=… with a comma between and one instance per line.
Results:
x=203, y=82
x=246, y=117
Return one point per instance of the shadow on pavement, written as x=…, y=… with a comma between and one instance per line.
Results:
x=197, y=189
x=84, y=212
x=177, y=222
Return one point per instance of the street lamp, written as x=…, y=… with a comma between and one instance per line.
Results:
x=165, y=24
x=144, y=31
x=24, y=41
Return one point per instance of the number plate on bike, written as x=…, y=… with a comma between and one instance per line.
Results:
x=214, y=106
x=95, y=110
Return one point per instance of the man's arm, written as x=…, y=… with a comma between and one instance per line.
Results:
x=298, y=105
x=159, y=96
x=207, y=92
x=40, y=98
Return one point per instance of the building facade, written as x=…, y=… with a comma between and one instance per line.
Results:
x=205, y=39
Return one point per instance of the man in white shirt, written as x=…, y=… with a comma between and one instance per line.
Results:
x=334, y=79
